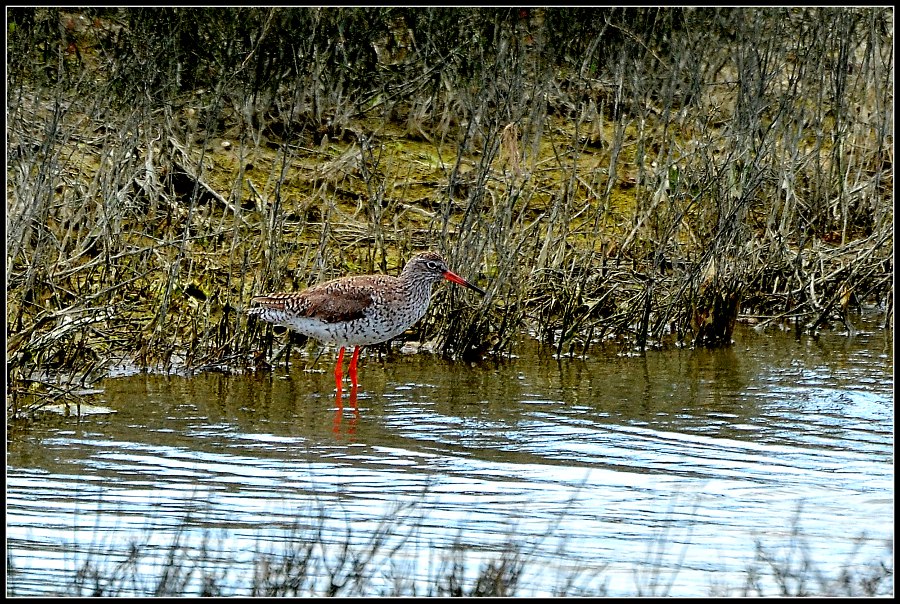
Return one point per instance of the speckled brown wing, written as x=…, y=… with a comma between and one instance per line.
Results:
x=332, y=302
x=337, y=305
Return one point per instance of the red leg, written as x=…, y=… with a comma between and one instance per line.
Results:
x=353, y=381
x=339, y=370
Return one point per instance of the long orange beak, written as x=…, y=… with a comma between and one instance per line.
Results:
x=451, y=276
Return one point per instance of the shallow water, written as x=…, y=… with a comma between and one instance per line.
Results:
x=652, y=474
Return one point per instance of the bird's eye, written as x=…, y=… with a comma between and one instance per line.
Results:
x=433, y=265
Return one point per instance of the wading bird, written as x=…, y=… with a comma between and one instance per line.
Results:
x=360, y=310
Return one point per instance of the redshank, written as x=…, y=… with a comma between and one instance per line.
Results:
x=360, y=310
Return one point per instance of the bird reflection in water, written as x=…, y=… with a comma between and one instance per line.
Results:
x=337, y=427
